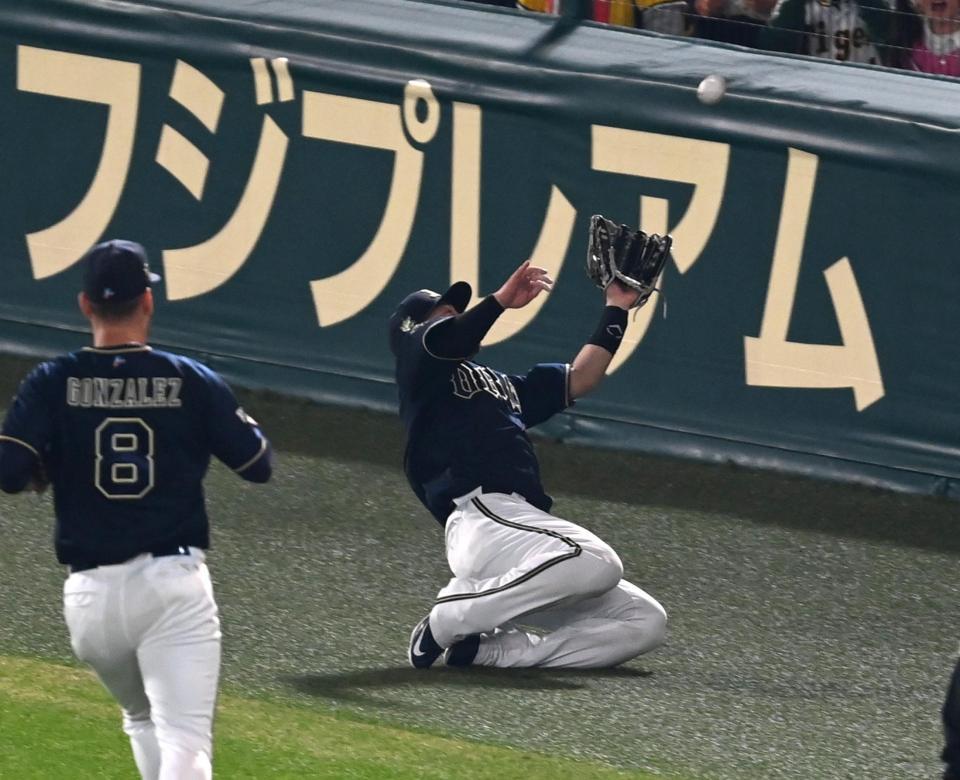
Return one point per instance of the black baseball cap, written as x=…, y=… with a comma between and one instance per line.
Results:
x=416, y=307
x=116, y=271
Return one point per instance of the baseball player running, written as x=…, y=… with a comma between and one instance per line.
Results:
x=125, y=433
x=528, y=588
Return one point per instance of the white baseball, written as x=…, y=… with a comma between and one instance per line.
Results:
x=712, y=89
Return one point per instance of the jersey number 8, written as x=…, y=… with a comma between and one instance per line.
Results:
x=124, y=465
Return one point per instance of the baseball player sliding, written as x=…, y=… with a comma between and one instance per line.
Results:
x=125, y=433
x=528, y=588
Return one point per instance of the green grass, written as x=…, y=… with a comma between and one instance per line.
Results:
x=58, y=722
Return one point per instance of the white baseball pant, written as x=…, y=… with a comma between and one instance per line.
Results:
x=514, y=565
x=149, y=627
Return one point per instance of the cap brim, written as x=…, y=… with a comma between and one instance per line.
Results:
x=457, y=295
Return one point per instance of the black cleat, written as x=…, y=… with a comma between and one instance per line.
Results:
x=463, y=652
x=424, y=649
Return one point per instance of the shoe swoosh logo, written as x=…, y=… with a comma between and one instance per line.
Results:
x=416, y=650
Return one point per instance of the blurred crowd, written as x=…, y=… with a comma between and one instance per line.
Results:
x=919, y=35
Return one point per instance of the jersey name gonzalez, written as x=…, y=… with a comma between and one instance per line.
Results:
x=126, y=435
x=469, y=379
x=143, y=392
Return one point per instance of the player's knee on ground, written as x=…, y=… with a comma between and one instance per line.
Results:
x=638, y=629
x=648, y=619
x=597, y=575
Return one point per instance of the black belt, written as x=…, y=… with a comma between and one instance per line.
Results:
x=156, y=552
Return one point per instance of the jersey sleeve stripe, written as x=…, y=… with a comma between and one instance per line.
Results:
x=255, y=458
x=21, y=442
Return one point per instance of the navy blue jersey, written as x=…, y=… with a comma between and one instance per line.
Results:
x=466, y=424
x=126, y=434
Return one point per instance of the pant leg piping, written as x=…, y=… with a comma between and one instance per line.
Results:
x=576, y=549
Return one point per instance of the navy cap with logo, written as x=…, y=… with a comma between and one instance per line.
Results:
x=116, y=271
x=416, y=307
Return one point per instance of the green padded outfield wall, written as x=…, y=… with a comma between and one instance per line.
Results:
x=296, y=166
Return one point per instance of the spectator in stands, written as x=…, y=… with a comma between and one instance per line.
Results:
x=540, y=6
x=663, y=16
x=846, y=30
x=930, y=39
x=621, y=12
x=731, y=21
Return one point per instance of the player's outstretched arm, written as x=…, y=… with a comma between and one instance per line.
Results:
x=590, y=365
x=458, y=337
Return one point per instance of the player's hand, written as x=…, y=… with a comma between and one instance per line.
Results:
x=524, y=284
x=620, y=295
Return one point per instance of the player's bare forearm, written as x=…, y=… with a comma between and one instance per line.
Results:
x=588, y=369
x=590, y=365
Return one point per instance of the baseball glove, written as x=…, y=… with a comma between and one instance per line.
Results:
x=631, y=257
